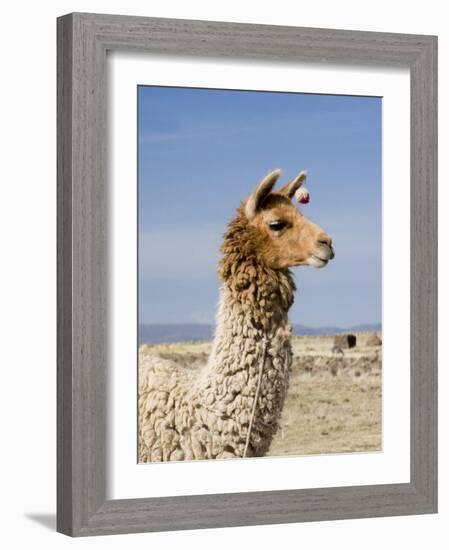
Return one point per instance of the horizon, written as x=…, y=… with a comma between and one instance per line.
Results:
x=159, y=333
x=201, y=152
x=213, y=323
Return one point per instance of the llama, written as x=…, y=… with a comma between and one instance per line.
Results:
x=232, y=406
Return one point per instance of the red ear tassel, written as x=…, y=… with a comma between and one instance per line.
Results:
x=302, y=195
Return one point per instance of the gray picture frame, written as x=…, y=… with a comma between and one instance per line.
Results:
x=83, y=41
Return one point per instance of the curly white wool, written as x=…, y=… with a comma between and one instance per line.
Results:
x=185, y=415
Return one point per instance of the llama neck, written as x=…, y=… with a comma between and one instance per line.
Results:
x=255, y=302
x=248, y=316
x=252, y=333
x=252, y=289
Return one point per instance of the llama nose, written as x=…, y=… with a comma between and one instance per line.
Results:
x=323, y=238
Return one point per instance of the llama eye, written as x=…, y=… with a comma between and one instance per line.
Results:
x=277, y=226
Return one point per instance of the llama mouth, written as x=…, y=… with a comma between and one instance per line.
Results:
x=322, y=256
x=315, y=261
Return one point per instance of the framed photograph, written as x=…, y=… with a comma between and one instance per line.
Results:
x=209, y=375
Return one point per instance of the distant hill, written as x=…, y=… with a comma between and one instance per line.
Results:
x=299, y=330
x=166, y=333
x=155, y=333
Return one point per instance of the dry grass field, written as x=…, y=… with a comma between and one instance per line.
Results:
x=334, y=402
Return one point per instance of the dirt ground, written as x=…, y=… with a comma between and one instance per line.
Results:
x=334, y=401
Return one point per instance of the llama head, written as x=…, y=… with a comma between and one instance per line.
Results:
x=282, y=236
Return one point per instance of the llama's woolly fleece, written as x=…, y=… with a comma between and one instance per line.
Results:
x=185, y=415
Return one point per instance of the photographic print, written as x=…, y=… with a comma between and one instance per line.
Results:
x=259, y=274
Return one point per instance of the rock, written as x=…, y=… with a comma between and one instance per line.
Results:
x=345, y=341
x=333, y=369
x=374, y=340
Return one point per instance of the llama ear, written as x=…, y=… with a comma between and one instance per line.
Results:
x=260, y=192
x=290, y=188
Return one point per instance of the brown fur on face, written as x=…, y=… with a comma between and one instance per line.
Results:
x=286, y=238
x=270, y=230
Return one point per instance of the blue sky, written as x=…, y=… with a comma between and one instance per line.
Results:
x=202, y=151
